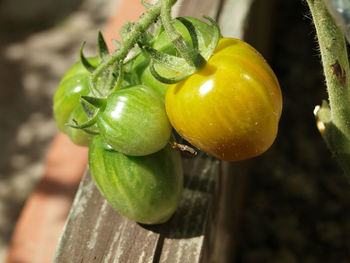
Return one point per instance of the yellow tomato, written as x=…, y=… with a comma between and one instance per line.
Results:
x=231, y=108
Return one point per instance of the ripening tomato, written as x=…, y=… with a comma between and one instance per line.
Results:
x=66, y=102
x=231, y=108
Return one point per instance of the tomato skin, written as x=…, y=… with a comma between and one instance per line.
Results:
x=162, y=44
x=66, y=102
x=134, y=121
x=146, y=189
x=231, y=108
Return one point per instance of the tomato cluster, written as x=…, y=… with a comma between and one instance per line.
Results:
x=229, y=108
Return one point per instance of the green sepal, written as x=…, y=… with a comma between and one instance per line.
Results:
x=171, y=62
x=84, y=125
x=200, y=53
x=89, y=109
x=208, y=51
x=197, y=38
x=91, y=132
x=119, y=78
x=166, y=80
x=191, y=29
x=145, y=38
x=83, y=59
x=157, y=28
x=168, y=61
x=197, y=59
x=102, y=86
x=96, y=102
x=146, y=5
x=102, y=46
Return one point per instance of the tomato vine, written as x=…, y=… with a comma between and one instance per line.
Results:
x=217, y=93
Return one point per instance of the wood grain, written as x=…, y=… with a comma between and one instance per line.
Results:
x=94, y=232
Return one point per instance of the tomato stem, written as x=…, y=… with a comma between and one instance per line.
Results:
x=191, y=55
x=139, y=28
x=335, y=119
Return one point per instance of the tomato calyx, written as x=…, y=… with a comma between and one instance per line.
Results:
x=90, y=125
x=191, y=55
x=197, y=55
x=102, y=51
x=91, y=106
x=109, y=78
x=102, y=78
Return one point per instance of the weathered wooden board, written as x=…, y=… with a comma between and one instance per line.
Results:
x=94, y=232
x=93, y=226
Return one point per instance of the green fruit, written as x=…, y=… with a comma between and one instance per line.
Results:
x=66, y=102
x=146, y=189
x=134, y=122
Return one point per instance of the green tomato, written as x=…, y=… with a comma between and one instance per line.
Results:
x=161, y=43
x=134, y=121
x=146, y=189
x=66, y=102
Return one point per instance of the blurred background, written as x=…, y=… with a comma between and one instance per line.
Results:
x=39, y=41
x=297, y=204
